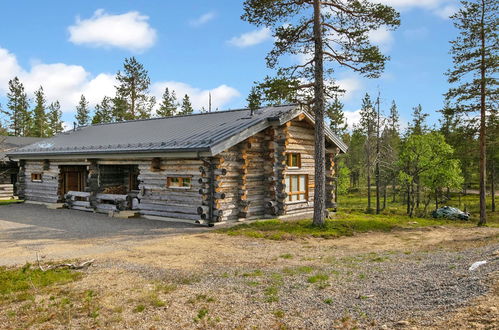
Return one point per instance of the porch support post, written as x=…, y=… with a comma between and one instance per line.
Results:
x=21, y=180
x=93, y=182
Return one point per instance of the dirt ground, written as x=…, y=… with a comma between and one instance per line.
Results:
x=412, y=278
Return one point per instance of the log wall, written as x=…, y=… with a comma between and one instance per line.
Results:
x=246, y=185
x=47, y=190
x=300, y=139
x=157, y=199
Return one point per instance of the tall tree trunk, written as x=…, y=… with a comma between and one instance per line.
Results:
x=493, y=185
x=377, y=162
x=336, y=173
x=483, y=162
x=384, y=195
x=320, y=158
x=436, y=199
x=393, y=189
x=368, y=185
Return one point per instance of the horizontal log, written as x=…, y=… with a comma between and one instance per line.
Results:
x=170, y=214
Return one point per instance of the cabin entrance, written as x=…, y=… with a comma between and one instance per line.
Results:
x=74, y=178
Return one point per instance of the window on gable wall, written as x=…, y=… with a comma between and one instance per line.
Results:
x=293, y=160
x=297, y=187
x=179, y=182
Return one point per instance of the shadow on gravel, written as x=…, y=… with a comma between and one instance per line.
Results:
x=29, y=221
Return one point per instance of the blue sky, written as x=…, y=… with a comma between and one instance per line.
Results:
x=199, y=46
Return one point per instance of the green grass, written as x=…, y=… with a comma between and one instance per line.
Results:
x=352, y=218
x=28, y=278
x=10, y=201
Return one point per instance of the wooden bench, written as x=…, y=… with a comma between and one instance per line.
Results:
x=111, y=202
x=82, y=203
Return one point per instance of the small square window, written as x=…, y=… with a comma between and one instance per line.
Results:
x=293, y=160
x=179, y=182
x=36, y=177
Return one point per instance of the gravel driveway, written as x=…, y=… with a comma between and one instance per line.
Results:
x=26, y=229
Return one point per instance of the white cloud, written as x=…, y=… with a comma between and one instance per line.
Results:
x=129, y=31
x=382, y=38
x=60, y=81
x=442, y=8
x=251, y=38
x=66, y=83
x=351, y=85
x=203, y=19
x=220, y=95
x=352, y=118
x=446, y=11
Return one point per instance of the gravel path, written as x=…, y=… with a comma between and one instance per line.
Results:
x=26, y=229
x=365, y=290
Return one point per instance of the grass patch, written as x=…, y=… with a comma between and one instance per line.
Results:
x=25, y=279
x=10, y=201
x=286, y=256
x=254, y=273
x=201, y=314
x=318, y=278
x=139, y=308
x=352, y=218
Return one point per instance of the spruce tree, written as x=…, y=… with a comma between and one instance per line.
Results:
x=18, y=109
x=254, y=99
x=169, y=105
x=54, y=119
x=103, y=111
x=337, y=34
x=368, y=119
x=186, y=107
x=133, y=89
x=39, y=125
x=474, y=73
x=82, y=112
x=337, y=123
x=418, y=125
x=391, y=137
x=120, y=109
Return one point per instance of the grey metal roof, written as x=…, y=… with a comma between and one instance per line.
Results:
x=206, y=132
x=9, y=144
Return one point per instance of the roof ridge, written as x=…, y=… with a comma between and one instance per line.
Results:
x=187, y=115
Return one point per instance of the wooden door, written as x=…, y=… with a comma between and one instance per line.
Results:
x=73, y=179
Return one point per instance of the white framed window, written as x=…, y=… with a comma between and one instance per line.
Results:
x=297, y=187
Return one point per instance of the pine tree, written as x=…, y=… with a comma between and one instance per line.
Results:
x=18, y=109
x=133, y=88
x=82, y=112
x=368, y=119
x=39, y=128
x=54, y=119
x=254, y=99
x=103, y=111
x=336, y=33
x=394, y=119
x=474, y=76
x=391, y=136
x=186, y=107
x=338, y=123
x=120, y=109
x=418, y=125
x=169, y=105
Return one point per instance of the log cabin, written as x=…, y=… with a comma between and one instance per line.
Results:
x=208, y=167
